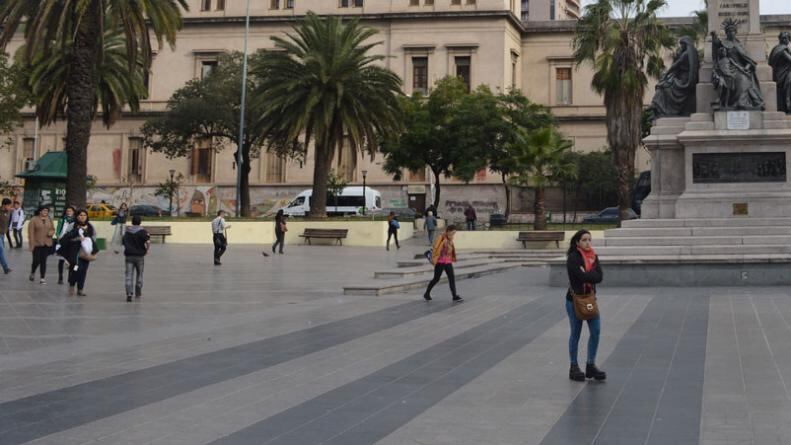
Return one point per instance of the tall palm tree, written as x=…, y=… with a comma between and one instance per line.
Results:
x=321, y=85
x=624, y=41
x=542, y=158
x=52, y=25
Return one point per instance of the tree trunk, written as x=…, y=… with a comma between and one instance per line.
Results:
x=437, y=189
x=540, y=221
x=321, y=172
x=507, y=197
x=244, y=193
x=624, y=126
x=81, y=94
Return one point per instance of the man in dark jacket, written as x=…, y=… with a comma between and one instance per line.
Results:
x=470, y=216
x=5, y=221
x=136, y=242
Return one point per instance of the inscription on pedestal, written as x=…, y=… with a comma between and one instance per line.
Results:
x=738, y=120
x=711, y=168
x=735, y=9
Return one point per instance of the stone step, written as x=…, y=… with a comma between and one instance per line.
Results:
x=383, y=287
x=725, y=249
x=425, y=268
x=705, y=222
x=697, y=231
x=734, y=241
x=420, y=260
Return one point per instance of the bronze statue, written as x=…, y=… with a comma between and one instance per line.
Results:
x=780, y=60
x=675, y=91
x=734, y=72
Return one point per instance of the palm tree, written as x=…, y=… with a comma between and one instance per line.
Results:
x=49, y=26
x=322, y=85
x=542, y=157
x=624, y=41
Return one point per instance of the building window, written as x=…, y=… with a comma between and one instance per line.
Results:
x=420, y=74
x=563, y=86
x=136, y=154
x=274, y=4
x=525, y=10
x=514, y=63
x=289, y=4
x=205, y=5
x=463, y=69
x=343, y=3
x=206, y=67
x=201, y=161
x=455, y=2
x=551, y=9
x=414, y=2
x=221, y=5
x=357, y=3
x=28, y=150
x=275, y=168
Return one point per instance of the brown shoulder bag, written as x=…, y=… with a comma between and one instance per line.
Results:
x=585, y=307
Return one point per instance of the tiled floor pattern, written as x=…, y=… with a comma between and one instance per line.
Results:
x=268, y=351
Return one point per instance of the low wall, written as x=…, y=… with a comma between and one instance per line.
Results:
x=361, y=233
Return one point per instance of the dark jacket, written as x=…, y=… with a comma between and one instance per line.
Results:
x=470, y=214
x=70, y=243
x=577, y=278
x=135, y=241
x=5, y=220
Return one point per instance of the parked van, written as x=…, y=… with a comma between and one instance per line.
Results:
x=349, y=202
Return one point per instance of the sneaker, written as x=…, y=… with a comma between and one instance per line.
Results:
x=128, y=298
x=42, y=281
x=80, y=293
x=576, y=374
x=427, y=297
x=592, y=372
x=457, y=299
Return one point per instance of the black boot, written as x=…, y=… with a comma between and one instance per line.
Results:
x=592, y=372
x=576, y=374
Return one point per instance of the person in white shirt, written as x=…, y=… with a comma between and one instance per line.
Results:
x=17, y=222
x=218, y=227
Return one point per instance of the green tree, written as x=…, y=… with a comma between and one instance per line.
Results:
x=208, y=108
x=516, y=115
x=442, y=132
x=50, y=26
x=322, y=84
x=543, y=159
x=14, y=95
x=624, y=41
x=335, y=186
x=169, y=188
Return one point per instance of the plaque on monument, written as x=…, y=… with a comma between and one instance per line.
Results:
x=714, y=168
x=738, y=120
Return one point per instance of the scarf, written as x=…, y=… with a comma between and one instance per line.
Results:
x=589, y=257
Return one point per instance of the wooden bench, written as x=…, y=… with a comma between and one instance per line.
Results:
x=162, y=231
x=542, y=235
x=337, y=234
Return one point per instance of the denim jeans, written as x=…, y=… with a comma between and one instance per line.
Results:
x=134, y=275
x=470, y=224
x=594, y=327
x=3, y=262
x=431, y=236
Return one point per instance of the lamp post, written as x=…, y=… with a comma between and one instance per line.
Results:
x=365, y=198
x=240, y=145
x=170, y=192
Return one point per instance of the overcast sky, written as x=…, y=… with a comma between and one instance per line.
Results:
x=683, y=8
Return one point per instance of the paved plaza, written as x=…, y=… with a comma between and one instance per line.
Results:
x=269, y=351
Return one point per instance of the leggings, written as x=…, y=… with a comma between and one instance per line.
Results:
x=393, y=234
x=448, y=268
x=40, y=255
x=281, y=237
x=78, y=277
x=594, y=328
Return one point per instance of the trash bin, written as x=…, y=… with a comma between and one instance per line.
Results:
x=497, y=219
x=101, y=243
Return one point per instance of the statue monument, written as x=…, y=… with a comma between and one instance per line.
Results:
x=780, y=60
x=734, y=75
x=675, y=91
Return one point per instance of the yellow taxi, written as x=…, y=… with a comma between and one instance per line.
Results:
x=101, y=210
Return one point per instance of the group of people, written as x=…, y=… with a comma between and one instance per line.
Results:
x=74, y=241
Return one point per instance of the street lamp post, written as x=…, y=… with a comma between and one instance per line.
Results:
x=170, y=192
x=240, y=145
x=365, y=198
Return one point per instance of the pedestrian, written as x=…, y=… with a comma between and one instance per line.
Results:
x=280, y=230
x=65, y=225
x=119, y=224
x=430, y=226
x=136, y=243
x=584, y=271
x=79, y=248
x=218, y=228
x=40, y=231
x=392, y=229
x=470, y=216
x=443, y=255
x=5, y=221
x=17, y=223
x=433, y=210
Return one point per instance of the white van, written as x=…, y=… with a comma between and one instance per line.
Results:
x=350, y=202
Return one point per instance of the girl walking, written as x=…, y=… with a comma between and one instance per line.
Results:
x=39, y=235
x=79, y=248
x=442, y=257
x=392, y=229
x=280, y=231
x=65, y=225
x=584, y=271
x=119, y=222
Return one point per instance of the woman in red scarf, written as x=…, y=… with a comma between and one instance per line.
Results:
x=584, y=272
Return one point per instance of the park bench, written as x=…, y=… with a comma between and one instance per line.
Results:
x=542, y=235
x=162, y=231
x=337, y=234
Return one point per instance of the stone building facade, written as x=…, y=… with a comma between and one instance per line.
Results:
x=484, y=41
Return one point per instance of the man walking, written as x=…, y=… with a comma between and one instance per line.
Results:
x=17, y=222
x=218, y=227
x=5, y=219
x=136, y=242
x=471, y=217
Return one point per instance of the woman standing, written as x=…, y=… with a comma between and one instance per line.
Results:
x=64, y=226
x=79, y=248
x=280, y=230
x=119, y=221
x=39, y=234
x=443, y=255
x=392, y=229
x=584, y=271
